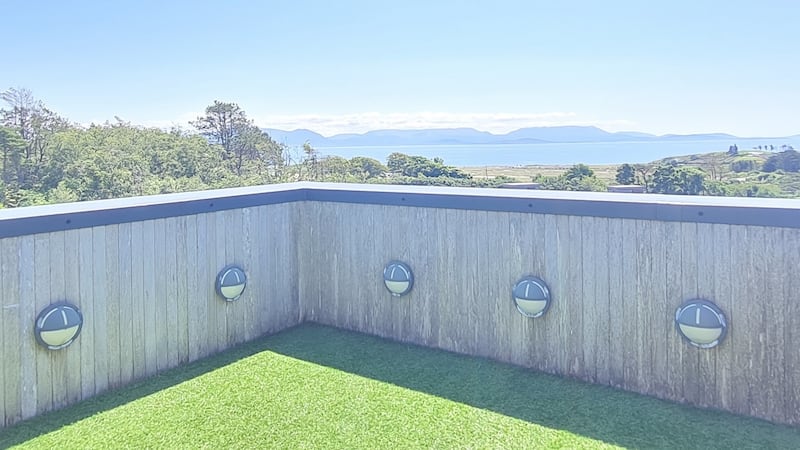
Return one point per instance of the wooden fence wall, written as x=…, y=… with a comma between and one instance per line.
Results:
x=146, y=291
x=615, y=284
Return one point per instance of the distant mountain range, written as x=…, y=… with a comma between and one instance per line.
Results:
x=470, y=136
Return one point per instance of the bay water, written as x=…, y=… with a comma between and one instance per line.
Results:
x=480, y=155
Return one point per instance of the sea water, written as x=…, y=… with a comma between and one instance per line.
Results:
x=477, y=155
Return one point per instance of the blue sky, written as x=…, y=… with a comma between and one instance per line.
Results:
x=676, y=67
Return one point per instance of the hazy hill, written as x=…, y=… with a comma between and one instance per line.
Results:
x=468, y=136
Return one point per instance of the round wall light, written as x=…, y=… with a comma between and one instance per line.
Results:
x=398, y=278
x=58, y=325
x=701, y=322
x=231, y=282
x=531, y=297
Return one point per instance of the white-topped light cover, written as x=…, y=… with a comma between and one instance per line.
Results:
x=231, y=283
x=701, y=323
x=58, y=325
x=531, y=296
x=398, y=278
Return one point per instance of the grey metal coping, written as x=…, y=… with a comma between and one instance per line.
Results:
x=723, y=210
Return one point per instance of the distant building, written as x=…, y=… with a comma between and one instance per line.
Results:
x=628, y=188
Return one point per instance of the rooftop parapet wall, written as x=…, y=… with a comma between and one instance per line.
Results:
x=721, y=210
x=617, y=265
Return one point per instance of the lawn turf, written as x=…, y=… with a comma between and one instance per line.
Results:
x=319, y=387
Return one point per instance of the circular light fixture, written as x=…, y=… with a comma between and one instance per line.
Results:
x=231, y=282
x=701, y=322
x=398, y=278
x=531, y=296
x=58, y=325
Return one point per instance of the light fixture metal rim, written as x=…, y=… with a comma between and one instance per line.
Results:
x=45, y=312
x=545, y=290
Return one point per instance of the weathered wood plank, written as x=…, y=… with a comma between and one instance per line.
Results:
x=743, y=327
x=616, y=301
x=112, y=280
x=204, y=291
x=212, y=267
x=170, y=289
x=630, y=324
x=452, y=318
x=125, y=304
x=58, y=360
x=11, y=331
x=566, y=299
x=602, y=301
x=28, y=309
x=758, y=274
x=489, y=282
x=551, y=326
x=675, y=296
x=100, y=307
x=242, y=255
x=706, y=360
x=4, y=350
x=773, y=322
x=138, y=300
x=72, y=357
x=366, y=274
x=791, y=324
x=645, y=303
x=723, y=295
x=689, y=277
x=440, y=273
x=234, y=313
x=182, y=289
x=162, y=291
x=542, y=262
x=85, y=267
x=588, y=300
x=194, y=330
x=661, y=318
x=151, y=296
x=221, y=260
x=41, y=287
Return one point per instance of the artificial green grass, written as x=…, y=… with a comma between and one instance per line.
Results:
x=319, y=387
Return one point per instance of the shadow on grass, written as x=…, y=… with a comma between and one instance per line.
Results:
x=602, y=413
x=53, y=420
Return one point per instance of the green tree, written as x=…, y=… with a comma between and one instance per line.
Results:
x=398, y=162
x=626, y=174
x=365, y=168
x=13, y=148
x=335, y=168
x=415, y=166
x=36, y=126
x=579, y=172
x=221, y=124
x=745, y=164
x=248, y=150
x=670, y=179
x=787, y=160
x=577, y=178
x=310, y=159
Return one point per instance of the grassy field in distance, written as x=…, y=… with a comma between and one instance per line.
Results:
x=605, y=172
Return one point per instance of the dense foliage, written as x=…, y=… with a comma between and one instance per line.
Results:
x=47, y=159
x=577, y=178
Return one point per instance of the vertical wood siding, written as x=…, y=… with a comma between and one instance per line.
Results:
x=615, y=284
x=146, y=292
